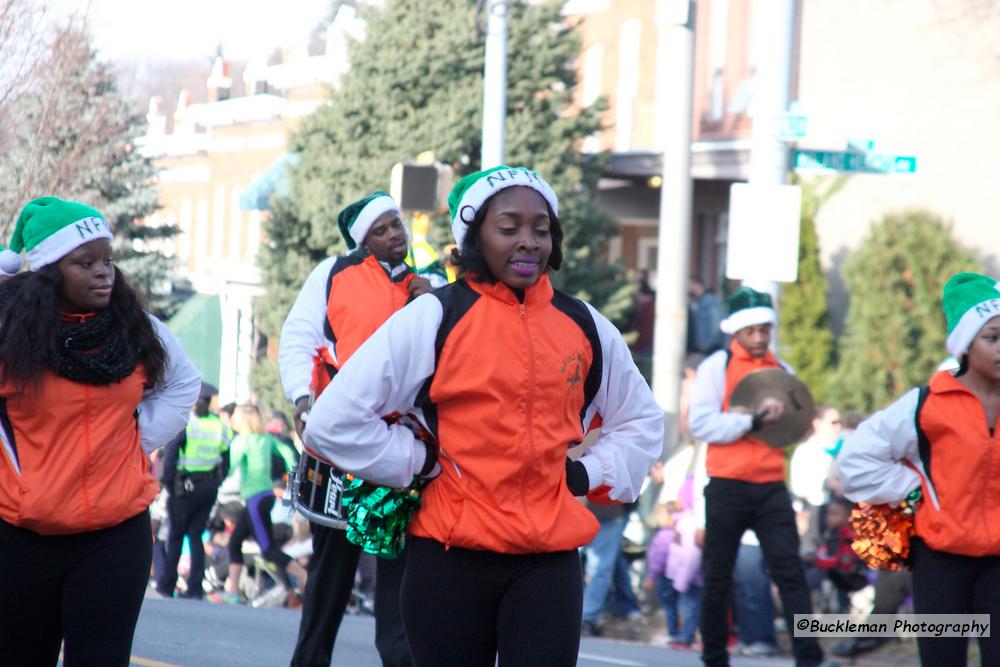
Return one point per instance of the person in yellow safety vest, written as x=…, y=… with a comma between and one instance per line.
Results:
x=423, y=258
x=196, y=462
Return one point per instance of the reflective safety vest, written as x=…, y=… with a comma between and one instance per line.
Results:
x=205, y=445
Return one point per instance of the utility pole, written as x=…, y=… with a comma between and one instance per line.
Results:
x=773, y=32
x=675, y=76
x=494, y=84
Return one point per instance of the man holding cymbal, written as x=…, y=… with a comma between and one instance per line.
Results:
x=746, y=469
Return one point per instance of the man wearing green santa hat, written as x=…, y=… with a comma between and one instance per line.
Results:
x=746, y=488
x=941, y=442
x=344, y=300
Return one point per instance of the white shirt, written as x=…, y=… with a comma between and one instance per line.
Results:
x=809, y=470
x=164, y=409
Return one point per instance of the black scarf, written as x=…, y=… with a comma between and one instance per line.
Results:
x=95, y=351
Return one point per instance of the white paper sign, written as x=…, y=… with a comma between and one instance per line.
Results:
x=763, y=240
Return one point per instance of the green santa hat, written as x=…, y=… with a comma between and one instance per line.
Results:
x=747, y=307
x=969, y=300
x=50, y=228
x=355, y=220
x=470, y=193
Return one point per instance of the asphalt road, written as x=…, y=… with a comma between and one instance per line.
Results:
x=182, y=633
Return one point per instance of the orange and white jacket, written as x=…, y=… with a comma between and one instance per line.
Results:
x=957, y=467
x=733, y=452
x=507, y=387
x=343, y=301
x=75, y=455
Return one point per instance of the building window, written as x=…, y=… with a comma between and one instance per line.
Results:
x=628, y=83
x=593, y=65
x=718, y=33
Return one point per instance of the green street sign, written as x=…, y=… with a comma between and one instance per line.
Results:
x=853, y=162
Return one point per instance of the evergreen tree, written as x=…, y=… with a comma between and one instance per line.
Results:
x=72, y=134
x=895, y=327
x=806, y=338
x=415, y=84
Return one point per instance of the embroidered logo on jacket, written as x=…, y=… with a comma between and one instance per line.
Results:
x=572, y=367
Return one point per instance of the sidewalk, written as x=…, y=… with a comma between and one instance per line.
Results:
x=651, y=630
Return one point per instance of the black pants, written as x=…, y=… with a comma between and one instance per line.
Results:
x=188, y=517
x=256, y=521
x=945, y=583
x=731, y=507
x=390, y=637
x=464, y=607
x=84, y=588
x=328, y=590
x=891, y=588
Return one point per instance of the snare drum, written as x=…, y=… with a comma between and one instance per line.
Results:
x=317, y=492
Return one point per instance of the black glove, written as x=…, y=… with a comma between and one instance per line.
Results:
x=429, y=462
x=576, y=478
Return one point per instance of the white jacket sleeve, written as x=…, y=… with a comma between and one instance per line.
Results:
x=631, y=437
x=345, y=424
x=870, y=463
x=164, y=409
x=302, y=333
x=708, y=421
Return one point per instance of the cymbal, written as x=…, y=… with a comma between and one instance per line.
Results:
x=800, y=410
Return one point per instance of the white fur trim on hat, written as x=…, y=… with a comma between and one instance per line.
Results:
x=369, y=214
x=748, y=317
x=489, y=185
x=59, y=244
x=972, y=321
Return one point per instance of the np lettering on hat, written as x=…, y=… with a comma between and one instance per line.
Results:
x=969, y=301
x=50, y=228
x=470, y=193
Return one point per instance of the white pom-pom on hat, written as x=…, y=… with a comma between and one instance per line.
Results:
x=10, y=262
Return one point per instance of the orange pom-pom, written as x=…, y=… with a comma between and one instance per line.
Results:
x=882, y=535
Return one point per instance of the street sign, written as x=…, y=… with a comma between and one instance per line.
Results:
x=792, y=125
x=853, y=162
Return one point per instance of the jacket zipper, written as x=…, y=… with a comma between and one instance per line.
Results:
x=529, y=418
x=88, y=508
x=986, y=487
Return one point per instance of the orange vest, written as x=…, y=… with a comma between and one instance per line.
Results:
x=360, y=297
x=963, y=461
x=506, y=401
x=82, y=466
x=747, y=458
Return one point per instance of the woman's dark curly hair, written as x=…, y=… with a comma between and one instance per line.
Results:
x=29, y=323
x=469, y=258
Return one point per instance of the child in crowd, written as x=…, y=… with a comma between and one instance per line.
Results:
x=674, y=559
x=834, y=559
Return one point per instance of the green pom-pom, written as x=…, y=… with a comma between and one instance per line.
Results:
x=377, y=516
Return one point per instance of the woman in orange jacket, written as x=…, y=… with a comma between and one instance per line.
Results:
x=943, y=440
x=89, y=385
x=508, y=374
